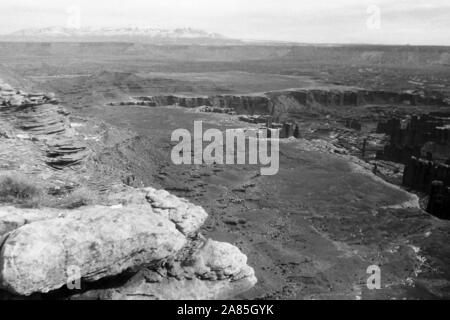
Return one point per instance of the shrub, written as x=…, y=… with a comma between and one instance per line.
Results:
x=27, y=193
x=19, y=190
x=78, y=198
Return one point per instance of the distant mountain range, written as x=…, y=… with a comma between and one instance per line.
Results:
x=152, y=35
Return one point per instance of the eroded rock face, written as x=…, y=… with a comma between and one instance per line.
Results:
x=220, y=259
x=278, y=103
x=415, y=136
x=216, y=270
x=39, y=117
x=12, y=218
x=187, y=217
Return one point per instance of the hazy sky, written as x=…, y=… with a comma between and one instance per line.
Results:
x=315, y=21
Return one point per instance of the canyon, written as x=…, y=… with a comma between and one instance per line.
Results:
x=347, y=195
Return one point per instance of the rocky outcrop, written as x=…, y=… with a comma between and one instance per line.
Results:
x=229, y=111
x=297, y=101
x=187, y=217
x=407, y=137
x=62, y=153
x=214, y=270
x=39, y=117
x=439, y=200
x=433, y=179
x=242, y=104
x=419, y=174
x=100, y=241
x=152, y=238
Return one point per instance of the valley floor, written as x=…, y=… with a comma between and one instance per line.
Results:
x=312, y=230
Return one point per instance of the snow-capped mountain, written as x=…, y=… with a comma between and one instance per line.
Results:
x=116, y=34
x=83, y=32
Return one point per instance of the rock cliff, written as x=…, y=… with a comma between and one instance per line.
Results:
x=293, y=101
x=433, y=179
x=416, y=136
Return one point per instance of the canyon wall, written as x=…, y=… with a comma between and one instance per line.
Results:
x=408, y=138
x=357, y=97
x=415, y=138
x=433, y=179
x=280, y=104
x=39, y=117
x=420, y=173
x=241, y=104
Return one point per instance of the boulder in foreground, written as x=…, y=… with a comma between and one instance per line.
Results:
x=145, y=244
x=216, y=270
x=101, y=241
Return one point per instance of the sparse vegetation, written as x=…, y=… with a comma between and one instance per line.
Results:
x=18, y=190
x=78, y=198
x=27, y=193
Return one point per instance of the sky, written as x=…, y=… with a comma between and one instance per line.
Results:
x=412, y=22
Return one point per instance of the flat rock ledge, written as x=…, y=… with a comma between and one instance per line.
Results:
x=144, y=244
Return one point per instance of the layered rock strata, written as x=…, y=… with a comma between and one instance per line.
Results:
x=39, y=117
x=279, y=103
x=408, y=137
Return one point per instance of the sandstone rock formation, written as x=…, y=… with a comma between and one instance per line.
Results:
x=409, y=136
x=279, y=103
x=410, y=141
x=102, y=242
x=187, y=217
x=433, y=179
x=39, y=117
x=214, y=270
x=152, y=234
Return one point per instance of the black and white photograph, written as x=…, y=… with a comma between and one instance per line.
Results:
x=239, y=151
